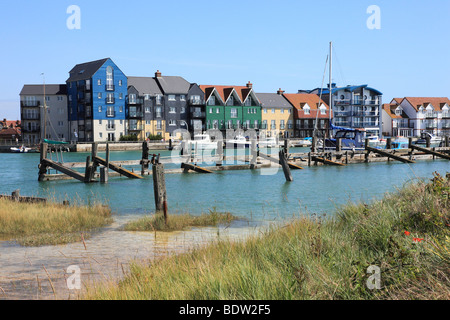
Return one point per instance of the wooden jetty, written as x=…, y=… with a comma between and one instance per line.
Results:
x=220, y=162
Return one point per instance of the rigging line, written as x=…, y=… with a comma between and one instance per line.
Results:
x=320, y=96
x=341, y=73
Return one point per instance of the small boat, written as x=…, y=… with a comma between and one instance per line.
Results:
x=306, y=142
x=434, y=140
x=237, y=142
x=22, y=149
x=376, y=142
x=201, y=142
x=270, y=142
x=351, y=139
x=400, y=143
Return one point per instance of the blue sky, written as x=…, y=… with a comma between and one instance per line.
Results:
x=273, y=44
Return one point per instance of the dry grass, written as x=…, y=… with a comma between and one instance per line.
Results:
x=49, y=223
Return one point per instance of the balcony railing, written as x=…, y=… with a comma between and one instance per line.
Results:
x=136, y=101
x=31, y=116
x=110, y=113
x=109, y=87
x=136, y=114
x=431, y=125
x=31, y=130
x=31, y=104
x=342, y=102
x=198, y=114
x=196, y=102
x=110, y=100
x=110, y=127
x=342, y=114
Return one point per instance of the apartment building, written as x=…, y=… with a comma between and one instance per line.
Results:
x=277, y=115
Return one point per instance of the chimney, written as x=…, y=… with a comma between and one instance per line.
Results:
x=280, y=92
x=158, y=74
x=249, y=85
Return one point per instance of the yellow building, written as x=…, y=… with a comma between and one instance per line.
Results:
x=276, y=115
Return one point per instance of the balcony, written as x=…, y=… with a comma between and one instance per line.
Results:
x=134, y=102
x=371, y=102
x=370, y=124
x=196, y=102
x=31, y=129
x=198, y=114
x=431, y=125
x=31, y=116
x=342, y=102
x=110, y=113
x=342, y=123
x=135, y=114
x=445, y=115
x=30, y=104
x=342, y=114
x=135, y=127
x=109, y=87
x=431, y=114
x=110, y=100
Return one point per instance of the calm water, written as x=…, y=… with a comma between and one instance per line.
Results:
x=250, y=194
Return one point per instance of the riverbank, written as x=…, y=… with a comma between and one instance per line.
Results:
x=38, y=224
x=405, y=236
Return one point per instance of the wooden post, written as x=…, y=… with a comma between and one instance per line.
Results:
x=338, y=144
x=170, y=144
x=219, y=154
x=346, y=157
x=313, y=145
x=411, y=150
x=254, y=154
x=87, y=172
x=309, y=159
x=145, y=155
x=103, y=175
x=446, y=141
x=286, y=146
x=94, y=152
x=16, y=195
x=367, y=154
x=43, y=156
x=389, y=143
x=284, y=164
x=159, y=186
x=428, y=140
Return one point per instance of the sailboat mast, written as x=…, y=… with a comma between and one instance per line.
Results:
x=330, y=95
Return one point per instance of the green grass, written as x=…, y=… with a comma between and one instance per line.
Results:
x=179, y=222
x=315, y=257
x=50, y=223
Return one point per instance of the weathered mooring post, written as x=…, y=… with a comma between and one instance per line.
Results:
x=428, y=141
x=338, y=144
x=446, y=141
x=254, y=154
x=219, y=154
x=43, y=155
x=15, y=195
x=145, y=156
x=159, y=186
x=285, y=166
x=313, y=144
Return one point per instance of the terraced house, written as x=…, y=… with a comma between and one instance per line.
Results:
x=96, y=93
x=231, y=107
x=426, y=114
x=276, y=115
x=145, y=111
x=310, y=113
x=356, y=106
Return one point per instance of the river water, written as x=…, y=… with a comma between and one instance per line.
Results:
x=258, y=196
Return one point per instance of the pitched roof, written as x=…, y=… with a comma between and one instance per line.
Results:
x=9, y=132
x=390, y=110
x=225, y=91
x=85, y=70
x=273, y=100
x=145, y=85
x=38, y=89
x=173, y=84
x=299, y=100
x=438, y=103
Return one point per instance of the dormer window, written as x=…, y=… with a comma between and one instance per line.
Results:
x=306, y=110
x=398, y=111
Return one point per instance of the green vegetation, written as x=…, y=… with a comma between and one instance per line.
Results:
x=406, y=235
x=157, y=137
x=50, y=223
x=179, y=222
x=130, y=137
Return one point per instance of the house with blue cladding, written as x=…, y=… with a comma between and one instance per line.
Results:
x=96, y=93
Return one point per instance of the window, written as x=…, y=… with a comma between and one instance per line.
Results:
x=99, y=82
x=281, y=110
x=100, y=135
x=100, y=121
x=210, y=110
x=158, y=112
x=110, y=125
x=234, y=113
x=306, y=110
x=146, y=96
x=60, y=123
x=289, y=111
x=273, y=125
x=148, y=110
x=183, y=97
x=110, y=112
x=148, y=122
x=172, y=97
x=172, y=110
x=159, y=99
x=60, y=98
x=323, y=111
x=99, y=108
x=265, y=110
x=398, y=112
x=120, y=83
x=121, y=121
x=121, y=109
x=121, y=95
x=273, y=110
x=217, y=110
x=212, y=101
x=182, y=110
x=109, y=78
x=282, y=124
x=99, y=96
x=61, y=110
